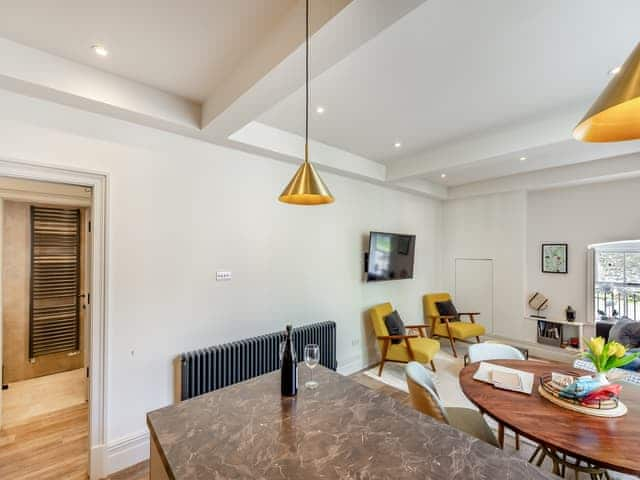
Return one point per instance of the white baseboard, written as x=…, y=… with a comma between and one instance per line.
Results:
x=126, y=452
x=96, y=468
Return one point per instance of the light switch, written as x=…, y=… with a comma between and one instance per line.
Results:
x=222, y=276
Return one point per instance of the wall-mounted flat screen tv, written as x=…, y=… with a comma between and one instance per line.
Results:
x=390, y=256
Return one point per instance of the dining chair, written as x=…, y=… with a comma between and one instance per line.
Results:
x=481, y=352
x=424, y=398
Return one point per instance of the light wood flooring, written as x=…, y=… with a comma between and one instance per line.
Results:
x=35, y=397
x=53, y=446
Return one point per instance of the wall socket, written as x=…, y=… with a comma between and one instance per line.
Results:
x=355, y=342
x=222, y=276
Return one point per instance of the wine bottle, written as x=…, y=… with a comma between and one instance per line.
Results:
x=289, y=369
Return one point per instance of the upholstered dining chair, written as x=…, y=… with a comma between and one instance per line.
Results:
x=449, y=326
x=481, y=352
x=411, y=348
x=424, y=398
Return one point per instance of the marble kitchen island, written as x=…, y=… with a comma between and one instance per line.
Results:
x=342, y=430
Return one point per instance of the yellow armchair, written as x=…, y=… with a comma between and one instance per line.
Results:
x=449, y=326
x=417, y=348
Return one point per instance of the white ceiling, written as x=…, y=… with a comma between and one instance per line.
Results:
x=454, y=68
x=184, y=47
x=467, y=87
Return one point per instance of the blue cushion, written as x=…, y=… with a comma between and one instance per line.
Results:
x=635, y=365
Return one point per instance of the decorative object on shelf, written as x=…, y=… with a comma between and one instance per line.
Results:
x=607, y=356
x=571, y=314
x=555, y=258
x=538, y=302
x=306, y=187
x=614, y=115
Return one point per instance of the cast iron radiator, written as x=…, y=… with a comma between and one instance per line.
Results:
x=211, y=368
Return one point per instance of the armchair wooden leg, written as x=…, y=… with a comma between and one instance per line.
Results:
x=385, y=347
x=517, y=441
x=433, y=366
x=478, y=339
x=501, y=435
x=453, y=345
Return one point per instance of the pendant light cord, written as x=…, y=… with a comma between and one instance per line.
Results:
x=306, y=118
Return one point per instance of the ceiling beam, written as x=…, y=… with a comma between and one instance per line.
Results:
x=595, y=171
x=489, y=145
x=264, y=140
x=276, y=69
x=38, y=74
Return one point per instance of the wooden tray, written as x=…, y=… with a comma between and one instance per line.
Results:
x=619, y=411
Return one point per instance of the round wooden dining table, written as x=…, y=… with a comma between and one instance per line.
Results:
x=612, y=443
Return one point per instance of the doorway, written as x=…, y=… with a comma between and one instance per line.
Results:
x=45, y=347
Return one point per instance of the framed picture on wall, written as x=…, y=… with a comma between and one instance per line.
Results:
x=555, y=258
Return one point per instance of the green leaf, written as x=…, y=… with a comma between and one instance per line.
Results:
x=627, y=359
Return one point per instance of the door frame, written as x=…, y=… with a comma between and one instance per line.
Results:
x=98, y=317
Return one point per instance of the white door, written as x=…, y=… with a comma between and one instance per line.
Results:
x=474, y=289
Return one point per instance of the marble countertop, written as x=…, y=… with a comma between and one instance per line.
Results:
x=342, y=430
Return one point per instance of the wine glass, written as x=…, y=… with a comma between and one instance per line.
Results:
x=311, y=359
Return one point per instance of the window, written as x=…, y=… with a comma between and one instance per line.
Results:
x=617, y=284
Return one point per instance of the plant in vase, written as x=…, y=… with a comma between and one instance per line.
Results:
x=607, y=356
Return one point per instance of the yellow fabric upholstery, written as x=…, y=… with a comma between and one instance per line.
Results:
x=377, y=315
x=424, y=349
x=461, y=330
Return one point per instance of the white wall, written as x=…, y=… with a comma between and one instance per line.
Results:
x=510, y=228
x=180, y=209
x=491, y=227
x=579, y=216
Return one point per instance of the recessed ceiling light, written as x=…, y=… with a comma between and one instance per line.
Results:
x=319, y=109
x=522, y=159
x=443, y=175
x=615, y=70
x=397, y=144
x=100, y=50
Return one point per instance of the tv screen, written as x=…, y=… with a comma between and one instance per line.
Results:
x=390, y=256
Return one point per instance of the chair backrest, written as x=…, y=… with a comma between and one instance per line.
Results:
x=377, y=314
x=479, y=352
x=429, y=305
x=423, y=393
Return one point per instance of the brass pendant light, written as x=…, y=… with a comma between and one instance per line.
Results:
x=615, y=115
x=306, y=187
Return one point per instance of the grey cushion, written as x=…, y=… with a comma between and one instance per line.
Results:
x=627, y=332
x=395, y=326
x=447, y=309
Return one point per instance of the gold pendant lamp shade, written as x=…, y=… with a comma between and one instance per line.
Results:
x=306, y=187
x=615, y=115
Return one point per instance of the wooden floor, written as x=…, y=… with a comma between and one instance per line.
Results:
x=39, y=396
x=50, y=447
